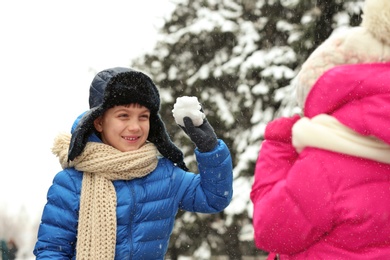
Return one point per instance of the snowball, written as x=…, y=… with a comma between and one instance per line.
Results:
x=188, y=106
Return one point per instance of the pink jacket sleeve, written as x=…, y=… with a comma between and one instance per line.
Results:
x=284, y=220
x=276, y=155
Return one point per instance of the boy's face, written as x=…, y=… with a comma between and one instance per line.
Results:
x=125, y=128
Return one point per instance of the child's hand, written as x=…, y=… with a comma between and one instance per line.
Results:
x=203, y=136
x=280, y=129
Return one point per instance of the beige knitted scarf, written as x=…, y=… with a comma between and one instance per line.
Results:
x=102, y=164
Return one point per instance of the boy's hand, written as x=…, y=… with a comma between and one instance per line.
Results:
x=202, y=136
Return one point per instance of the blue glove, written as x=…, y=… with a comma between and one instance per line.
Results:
x=202, y=136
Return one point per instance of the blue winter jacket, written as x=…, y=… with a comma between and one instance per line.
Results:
x=146, y=207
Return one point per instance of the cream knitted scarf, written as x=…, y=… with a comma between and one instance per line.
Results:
x=326, y=132
x=102, y=164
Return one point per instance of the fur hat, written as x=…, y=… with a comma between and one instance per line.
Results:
x=122, y=86
x=367, y=43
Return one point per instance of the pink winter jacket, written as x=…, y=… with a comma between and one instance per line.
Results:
x=319, y=204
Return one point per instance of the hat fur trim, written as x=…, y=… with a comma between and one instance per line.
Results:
x=367, y=43
x=376, y=18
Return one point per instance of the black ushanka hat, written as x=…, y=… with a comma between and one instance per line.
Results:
x=123, y=86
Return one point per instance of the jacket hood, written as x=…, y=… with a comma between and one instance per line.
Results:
x=357, y=95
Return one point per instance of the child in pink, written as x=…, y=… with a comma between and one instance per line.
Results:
x=322, y=181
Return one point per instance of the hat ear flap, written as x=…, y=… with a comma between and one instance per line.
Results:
x=160, y=138
x=82, y=132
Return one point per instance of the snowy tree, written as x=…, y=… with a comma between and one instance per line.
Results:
x=239, y=57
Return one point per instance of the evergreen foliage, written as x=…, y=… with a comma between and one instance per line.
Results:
x=239, y=57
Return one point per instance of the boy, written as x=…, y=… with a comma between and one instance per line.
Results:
x=115, y=198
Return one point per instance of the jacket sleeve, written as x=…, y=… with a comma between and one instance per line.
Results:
x=58, y=228
x=211, y=190
x=276, y=155
x=289, y=211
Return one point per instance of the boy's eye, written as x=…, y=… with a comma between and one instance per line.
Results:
x=123, y=115
x=145, y=117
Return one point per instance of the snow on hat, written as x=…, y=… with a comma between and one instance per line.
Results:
x=122, y=86
x=367, y=43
